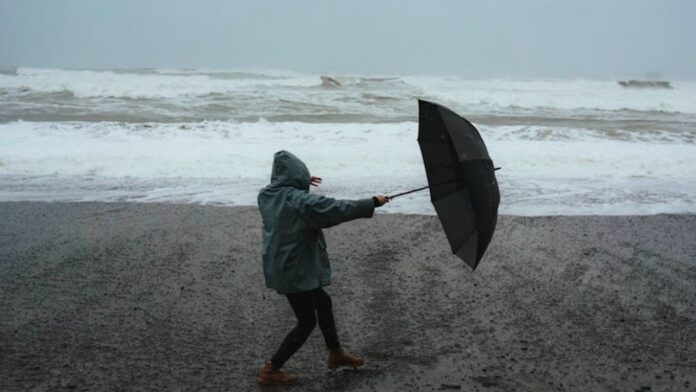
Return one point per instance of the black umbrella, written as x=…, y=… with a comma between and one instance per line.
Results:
x=461, y=179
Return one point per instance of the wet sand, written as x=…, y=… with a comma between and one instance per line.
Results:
x=107, y=297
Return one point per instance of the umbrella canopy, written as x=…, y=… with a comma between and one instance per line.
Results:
x=461, y=179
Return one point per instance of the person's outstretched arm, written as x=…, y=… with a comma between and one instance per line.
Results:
x=321, y=212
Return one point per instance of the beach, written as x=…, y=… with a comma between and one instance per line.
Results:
x=171, y=297
x=556, y=144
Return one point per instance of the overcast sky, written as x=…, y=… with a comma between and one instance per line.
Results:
x=481, y=38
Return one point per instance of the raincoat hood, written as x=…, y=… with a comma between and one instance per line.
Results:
x=289, y=170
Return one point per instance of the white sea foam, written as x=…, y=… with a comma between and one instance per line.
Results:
x=567, y=94
x=467, y=96
x=566, y=146
x=90, y=83
x=545, y=171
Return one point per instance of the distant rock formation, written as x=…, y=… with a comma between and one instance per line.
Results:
x=645, y=84
x=327, y=81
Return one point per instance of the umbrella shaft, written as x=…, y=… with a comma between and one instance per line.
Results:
x=420, y=189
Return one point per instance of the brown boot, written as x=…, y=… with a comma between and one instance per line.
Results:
x=268, y=375
x=338, y=358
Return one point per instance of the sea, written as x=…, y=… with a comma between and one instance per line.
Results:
x=207, y=136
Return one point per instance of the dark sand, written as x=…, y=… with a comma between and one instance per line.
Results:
x=107, y=297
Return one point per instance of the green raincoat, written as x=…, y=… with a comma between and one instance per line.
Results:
x=294, y=249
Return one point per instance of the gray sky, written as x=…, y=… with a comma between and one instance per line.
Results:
x=482, y=38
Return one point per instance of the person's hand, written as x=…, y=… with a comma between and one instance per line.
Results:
x=314, y=180
x=381, y=200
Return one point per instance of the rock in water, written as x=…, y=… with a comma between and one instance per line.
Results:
x=328, y=81
x=645, y=84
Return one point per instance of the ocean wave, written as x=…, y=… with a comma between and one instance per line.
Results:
x=545, y=170
x=471, y=97
x=567, y=134
x=184, y=143
x=142, y=85
x=11, y=71
x=563, y=94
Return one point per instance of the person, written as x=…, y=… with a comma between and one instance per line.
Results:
x=295, y=261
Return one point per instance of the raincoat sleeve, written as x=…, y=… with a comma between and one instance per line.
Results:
x=321, y=212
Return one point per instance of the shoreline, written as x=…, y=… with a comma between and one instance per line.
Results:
x=159, y=296
x=183, y=204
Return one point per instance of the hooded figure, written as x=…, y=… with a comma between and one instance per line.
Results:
x=294, y=249
x=295, y=262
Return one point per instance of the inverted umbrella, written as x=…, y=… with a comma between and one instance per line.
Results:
x=461, y=179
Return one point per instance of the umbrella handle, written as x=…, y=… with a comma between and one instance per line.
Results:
x=428, y=187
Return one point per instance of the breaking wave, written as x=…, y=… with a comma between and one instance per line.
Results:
x=467, y=96
x=556, y=171
x=208, y=136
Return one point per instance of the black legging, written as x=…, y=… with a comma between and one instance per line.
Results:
x=305, y=304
